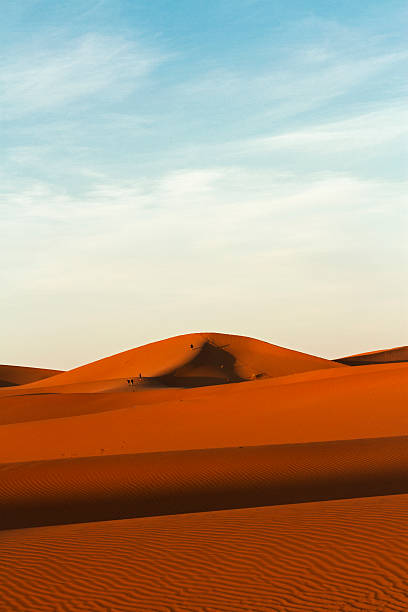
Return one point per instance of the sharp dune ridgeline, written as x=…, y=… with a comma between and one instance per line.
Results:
x=394, y=355
x=204, y=471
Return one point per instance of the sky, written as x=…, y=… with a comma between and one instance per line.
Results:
x=237, y=166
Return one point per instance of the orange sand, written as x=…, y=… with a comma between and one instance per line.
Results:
x=195, y=360
x=332, y=556
x=334, y=407
x=227, y=423
x=147, y=484
x=21, y=375
x=394, y=355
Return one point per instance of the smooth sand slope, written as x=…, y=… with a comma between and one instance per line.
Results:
x=394, y=355
x=364, y=403
x=20, y=375
x=195, y=360
x=333, y=556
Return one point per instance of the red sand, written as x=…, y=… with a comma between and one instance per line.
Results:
x=332, y=556
x=86, y=446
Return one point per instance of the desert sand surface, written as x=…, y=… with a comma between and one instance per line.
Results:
x=149, y=484
x=11, y=375
x=206, y=472
x=338, y=556
x=260, y=412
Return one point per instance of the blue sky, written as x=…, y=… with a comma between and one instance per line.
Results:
x=229, y=165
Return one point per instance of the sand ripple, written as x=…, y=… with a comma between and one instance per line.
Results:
x=343, y=556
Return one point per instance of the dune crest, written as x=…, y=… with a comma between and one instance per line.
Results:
x=393, y=355
x=194, y=360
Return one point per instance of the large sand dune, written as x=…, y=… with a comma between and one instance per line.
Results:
x=187, y=426
x=196, y=360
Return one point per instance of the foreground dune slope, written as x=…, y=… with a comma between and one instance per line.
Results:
x=339, y=556
x=195, y=360
x=367, y=404
x=393, y=355
x=147, y=484
x=11, y=375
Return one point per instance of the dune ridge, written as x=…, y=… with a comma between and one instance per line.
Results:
x=393, y=355
x=147, y=484
x=12, y=375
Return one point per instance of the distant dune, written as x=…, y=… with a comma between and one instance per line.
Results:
x=158, y=479
x=195, y=360
x=394, y=355
x=20, y=375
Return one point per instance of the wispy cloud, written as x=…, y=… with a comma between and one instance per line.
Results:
x=359, y=132
x=204, y=208
x=45, y=77
x=306, y=81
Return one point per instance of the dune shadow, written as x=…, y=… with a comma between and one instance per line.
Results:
x=210, y=365
x=115, y=487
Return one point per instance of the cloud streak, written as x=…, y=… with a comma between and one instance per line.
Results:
x=45, y=78
x=297, y=86
x=359, y=132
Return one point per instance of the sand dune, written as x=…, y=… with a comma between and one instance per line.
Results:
x=394, y=355
x=20, y=375
x=196, y=360
x=148, y=484
x=339, y=556
x=161, y=454
x=153, y=389
x=255, y=413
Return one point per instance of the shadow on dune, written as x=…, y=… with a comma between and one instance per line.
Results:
x=395, y=355
x=7, y=383
x=124, y=486
x=210, y=365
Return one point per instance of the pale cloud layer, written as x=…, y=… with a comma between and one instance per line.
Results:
x=216, y=237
